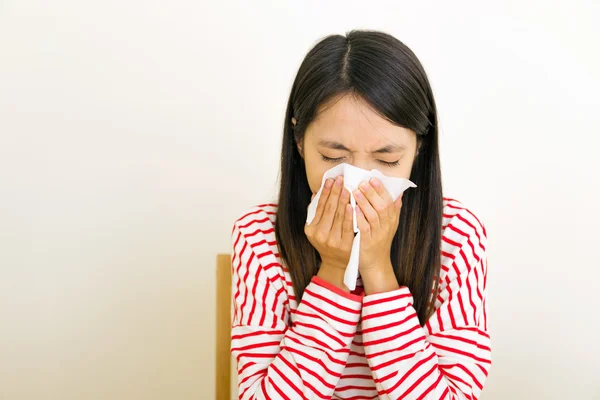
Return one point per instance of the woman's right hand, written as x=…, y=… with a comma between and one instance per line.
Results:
x=330, y=232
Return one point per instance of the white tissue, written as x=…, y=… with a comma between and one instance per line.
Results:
x=353, y=176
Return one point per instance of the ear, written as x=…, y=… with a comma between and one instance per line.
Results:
x=300, y=149
x=298, y=142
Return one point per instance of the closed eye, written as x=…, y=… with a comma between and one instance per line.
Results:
x=386, y=163
x=332, y=160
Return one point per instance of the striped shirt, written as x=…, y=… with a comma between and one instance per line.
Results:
x=338, y=345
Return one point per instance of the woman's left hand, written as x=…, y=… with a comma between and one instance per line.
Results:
x=377, y=218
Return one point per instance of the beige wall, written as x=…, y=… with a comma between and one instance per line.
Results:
x=132, y=133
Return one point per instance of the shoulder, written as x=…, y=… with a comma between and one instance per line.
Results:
x=257, y=217
x=253, y=239
x=463, y=231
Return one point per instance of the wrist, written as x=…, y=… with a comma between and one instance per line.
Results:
x=380, y=278
x=333, y=275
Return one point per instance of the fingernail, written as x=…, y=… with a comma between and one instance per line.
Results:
x=358, y=194
x=363, y=185
x=338, y=181
x=328, y=183
x=375, y=182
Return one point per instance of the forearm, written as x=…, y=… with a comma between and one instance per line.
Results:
x=304, y=360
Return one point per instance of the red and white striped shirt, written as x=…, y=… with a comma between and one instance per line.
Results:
x=340, y=345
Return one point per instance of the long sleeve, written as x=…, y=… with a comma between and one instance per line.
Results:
x=275, y=358
x=449, y=357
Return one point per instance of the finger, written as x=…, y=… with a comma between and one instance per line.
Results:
x=369, y=212
x=322, y=201
x=363, y=225
x=336, y=228
x=331, y=205
x=379, y=203
x=396, y=210
x=398, y=205
x=348, y=227
x=385, y=196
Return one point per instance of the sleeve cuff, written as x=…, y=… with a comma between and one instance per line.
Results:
x=327, y=285
x=394, y=299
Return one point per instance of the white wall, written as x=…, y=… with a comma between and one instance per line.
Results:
x=133, y=132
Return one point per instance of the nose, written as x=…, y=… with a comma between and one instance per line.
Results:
x=362, y=164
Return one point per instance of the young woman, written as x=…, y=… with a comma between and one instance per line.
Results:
x=416, y=325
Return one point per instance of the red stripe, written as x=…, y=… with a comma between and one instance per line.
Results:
x=254, y=221
x=386, y=299
x=255, y=346
x=248, y=364
x=279, y=391
x=477, y=286
x=461, y=352
x=438, y=312
x=261, y=372
x=361, y=397
x=384, y=313
x=416, y=384
x=287, y=380
x=239, y=267
x=322, y=331
x=391, y=338
x=255, y=355
x=408, y=373
x=430, y=388
x=245, y=279
x=404, y=357
x=462, y=339
x=387, y=326
x=317, y=377
x=473, y=329
x=254, y=333
x=328, y=315
x=317, y=360
x=450, y=313
x=357, y=365
x=263, y=308
x=264, y=389
x=316, y=341
x=333, y=303
x=444, y=394
x=454, y=378
x=254, y=287
x=353, y=387
x=358, y=376
x=475, y=230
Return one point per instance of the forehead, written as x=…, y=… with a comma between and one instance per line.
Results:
x=352, y=121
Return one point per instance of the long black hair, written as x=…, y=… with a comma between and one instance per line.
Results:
x=385, y=73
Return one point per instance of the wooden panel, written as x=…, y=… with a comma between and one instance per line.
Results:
x=223, y=362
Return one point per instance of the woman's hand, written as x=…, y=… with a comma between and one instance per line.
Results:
x=330, y=232
x=377, y=217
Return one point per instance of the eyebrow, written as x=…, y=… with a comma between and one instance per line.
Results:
x=390, y=148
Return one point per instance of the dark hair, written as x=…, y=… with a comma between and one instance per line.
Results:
x=385, y=73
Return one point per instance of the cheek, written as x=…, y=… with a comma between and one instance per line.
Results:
x=315, y=168
x=314, y=179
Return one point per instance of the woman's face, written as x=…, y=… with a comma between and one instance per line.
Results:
x=350, y=131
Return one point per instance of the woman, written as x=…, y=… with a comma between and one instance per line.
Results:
x=416, y=324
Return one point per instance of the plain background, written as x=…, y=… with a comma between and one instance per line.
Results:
x=133, y=133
